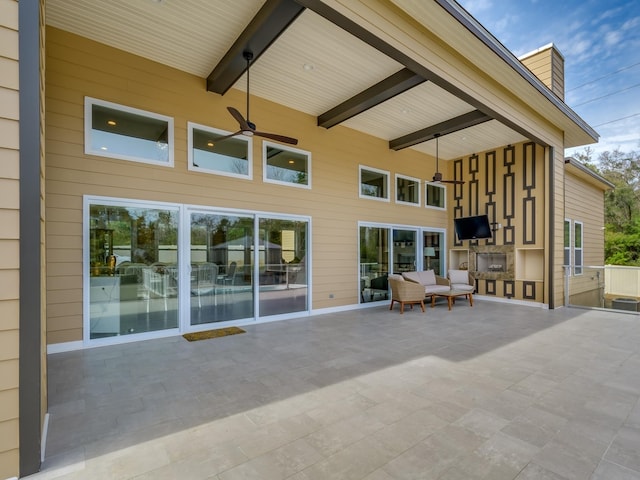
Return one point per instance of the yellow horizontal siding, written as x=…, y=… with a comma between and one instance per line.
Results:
x=77, y=67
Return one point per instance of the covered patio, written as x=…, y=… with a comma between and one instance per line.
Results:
x=496, y=391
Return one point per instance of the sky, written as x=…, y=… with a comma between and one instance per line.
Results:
x=600, y=43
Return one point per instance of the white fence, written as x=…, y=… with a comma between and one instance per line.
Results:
x=611, y=286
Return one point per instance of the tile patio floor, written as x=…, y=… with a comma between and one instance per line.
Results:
x=494, y=391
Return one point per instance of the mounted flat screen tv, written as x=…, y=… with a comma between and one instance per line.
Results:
x=472, y=228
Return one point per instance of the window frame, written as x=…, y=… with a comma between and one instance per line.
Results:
x=578, y=267
x=266, y=144
x=567, y=244
x=387, y=176
x=442, y=187
x=191, y=126
x=89, y=102
x=418, y=183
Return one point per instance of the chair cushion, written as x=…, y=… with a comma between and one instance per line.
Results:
x=436, y=288
x=399, y=278
x=459, y=276
x=427, y=277
x=463, y=287
x=412, y=276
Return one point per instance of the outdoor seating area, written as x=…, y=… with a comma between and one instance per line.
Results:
x=512, y=392
x=405, y=293
x=431, y=282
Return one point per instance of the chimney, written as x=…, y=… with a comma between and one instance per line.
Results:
x=547, y=63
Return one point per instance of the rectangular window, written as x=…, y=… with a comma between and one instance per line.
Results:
x=435, y=195
x=407, y=190
x=567, y=244
x=286, y=165
x=207, y=153
x=126, y=133
x=577, y=248
x=374, y=183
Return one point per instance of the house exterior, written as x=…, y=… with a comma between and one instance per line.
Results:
x=128, y=216
x=584, y=239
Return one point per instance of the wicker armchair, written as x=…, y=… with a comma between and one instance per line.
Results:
x=405, y=292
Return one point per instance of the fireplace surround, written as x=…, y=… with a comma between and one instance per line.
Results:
x=493, y=262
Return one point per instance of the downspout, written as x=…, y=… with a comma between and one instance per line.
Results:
x=30, y=297
x=552, y=229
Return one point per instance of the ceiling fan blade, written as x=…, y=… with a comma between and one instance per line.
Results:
x=278, y=138
x=219, y=139
x=455, y=182
x=247, y=127
x=244, y=124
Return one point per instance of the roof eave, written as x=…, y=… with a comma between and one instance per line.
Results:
x=577, y=132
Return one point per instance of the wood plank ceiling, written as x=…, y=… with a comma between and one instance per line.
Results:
x=307, y=57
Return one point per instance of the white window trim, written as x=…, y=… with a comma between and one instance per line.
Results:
x=426, y=197
x=190, y=165
x=419, y=185
x=286, y=148
x=88, y=131
x=581, y=249
x=570, y=265
x=184, y=212
x=377, y=170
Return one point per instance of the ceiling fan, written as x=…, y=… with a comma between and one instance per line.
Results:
x=437, y=177
x=247, y=127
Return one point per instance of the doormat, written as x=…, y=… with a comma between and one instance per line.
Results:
x=220, y=332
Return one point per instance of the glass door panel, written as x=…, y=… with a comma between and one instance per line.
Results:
x=221, y=257
x=282, y=266
x=433, y=252
x=404, y=250
x=133, y=270
x=374, y=263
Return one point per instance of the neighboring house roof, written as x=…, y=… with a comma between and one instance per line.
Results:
x=580, y=170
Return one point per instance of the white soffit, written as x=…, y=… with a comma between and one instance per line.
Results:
x=465, y=142
x=341, y=66
x=424, y=105
x=190, y=35
x=193, y=35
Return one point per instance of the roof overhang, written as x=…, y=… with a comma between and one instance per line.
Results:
x=581, y=171
x=399, y=70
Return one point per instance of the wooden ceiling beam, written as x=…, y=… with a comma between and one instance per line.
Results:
x=270, y=22
x=455, y=124
x=382, y=91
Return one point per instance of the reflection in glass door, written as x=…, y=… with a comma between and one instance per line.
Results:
x=404, y=250
x=221, y=268
x=433, y=251
x=133, y=269
x=374, y=263
x=282, y=266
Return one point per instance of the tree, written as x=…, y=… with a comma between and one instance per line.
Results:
x=622, y=204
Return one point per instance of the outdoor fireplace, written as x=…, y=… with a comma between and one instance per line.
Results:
x=491, y=262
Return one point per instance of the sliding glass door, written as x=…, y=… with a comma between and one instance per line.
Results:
x=433, y=251
x=282, y=268
x=405, y=244
x=374, y=263
x=220, y=268
x=151, y=267
x=388, y=249
x=132, y=269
